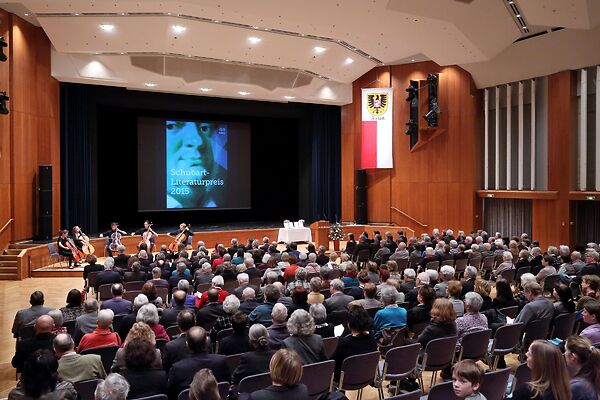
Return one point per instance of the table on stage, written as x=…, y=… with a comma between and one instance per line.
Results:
x=288, y=235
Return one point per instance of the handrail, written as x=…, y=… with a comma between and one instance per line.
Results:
x=408, y=216
x=6, y=225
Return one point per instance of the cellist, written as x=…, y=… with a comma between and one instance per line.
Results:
x=63, y=246
x=78, y=237
x=147, y=232
x=181, y=236
x=114, y=229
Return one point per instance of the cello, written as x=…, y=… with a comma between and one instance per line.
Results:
x=77, y=254
x=115, y=239
x=182, y=237
x=146, y=236
x=86, y=247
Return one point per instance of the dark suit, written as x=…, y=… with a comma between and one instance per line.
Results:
x=26, y=347
x=182, y=372
x=297, y=392
x=175, y=350
x=107, y=277
x=240, y=289
x=356, y=292
x=121, y=261
x=407, y=286
x=126, y=324
x=247, y=306
x=418, y=314
x=169, y=316
x=310, y=348
x=467, y=286
x=174, y=280
x=26, y=316
x=207, y=315
x=252, y=363
x=322, y=259
x=145, y=382
x=135, y=276
x=235, y=344
x=253, y=272
x=338, y=302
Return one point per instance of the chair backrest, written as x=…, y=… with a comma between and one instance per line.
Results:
x=253, y=383
x=372, y=311
x=494, y=384
x=506, y=338
x=117, y=320
x=461, y=264
x=318, y=378
x=134, y=285
x=223, y=390
x=106, y=353
x=385, y=258
x=402, y=264
x=439, y=353
x=330, y=344
x=52, y=249
x=132, y=294
x=70, y=325
x=521, y=271
x=312, y=275
x=222, y=335
x=163, y=293
x=433, y=265
x=443, y=391
x=230, y=286
x=415, y=395
x=522, y=374
x=155, y=397
x=474, y=345
x=536, y=329
x=161, y=344
x=326, y=293
x=91, y=278
x=550, y=282
x=104, y=292
x=510, y=312
x=85, y=389
x=363, y=255
x=338, y=318
x=255, y=281
x=359, y=371
x=416, y=329
x=173, y=331
x=475, y=262
x=203, y=287
x=487, y=263
x=415, y=261
x=447, y=262
x=563, y=326
x=233, y=361
x=400, y=361
x=184, y=395
x=27, y=331
x=508, y=275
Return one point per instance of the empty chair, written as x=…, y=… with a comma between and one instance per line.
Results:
x=106, y=353
x=510, y=312
x=70, y=325
x=399, y=363
x=222, y=335
x=494, y=384
x=85, y=389
x=536, y=329
x=474, y=345
x=358, y=372
x=508, y=275
x=163, y=293
x=563, y=326
x=318, y=378
x=415, y=395
x=135, y=285
x=384, y=258
x=330, y=344
x=54, y=254
x=433, y=265
x=230, y=286
x=184, y=395
x=550, y=283
x=104, y=292
x=460, y=266
x=233, y=361
x=505, y=341
x=487, y=265
x=447, y=262
x=475, y=262
x=443, y=391
x=254, y=382
x=439, y=354
x=131, y=294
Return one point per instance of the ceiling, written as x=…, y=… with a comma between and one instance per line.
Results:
x=306, y=51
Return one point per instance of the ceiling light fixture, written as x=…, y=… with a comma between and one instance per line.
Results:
x=107, y=27
x=27, y=15
x=412, y=59
x=518, y=15
x=150, y=84
x=254, y=39
x=349, y=60
x=216, y=21
x=244, y=93
x=255, y=27
x=289, y=97
x=178, y=28
x=319, y=49
x=205, y=89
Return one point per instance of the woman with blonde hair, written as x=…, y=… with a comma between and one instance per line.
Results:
x=549, y=377
x=139, y=330
x=484, y=289
x=442, y=323
x=286, y=372
x=204, y=386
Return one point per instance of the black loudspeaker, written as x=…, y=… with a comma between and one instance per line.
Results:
x=45, y=202
x=361, y=196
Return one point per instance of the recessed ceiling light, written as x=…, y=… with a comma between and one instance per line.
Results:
x=319, y=49
x=255, y=27
x=178, y=28
x=150, y=84
x=76, y=13
x=168, y=13
x=254, y=39
x=289, y=97
x=205, y=89
x=122, y=53
x=524, y=27
x=123, y=13
x=107, y=27
x=27, y=15
x=244, y=93
x=518, y=15
x=349, y=60
x=412, y=59
x=216, y=21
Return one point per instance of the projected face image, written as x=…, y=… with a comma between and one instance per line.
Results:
x=196, y=163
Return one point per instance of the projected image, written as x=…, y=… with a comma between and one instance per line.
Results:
x=196, y=161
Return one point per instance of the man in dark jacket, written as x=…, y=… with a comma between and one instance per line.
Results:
x=42, y=340
x=169, y=315
x=108, y=276
x=176, y=349
x=207, y=315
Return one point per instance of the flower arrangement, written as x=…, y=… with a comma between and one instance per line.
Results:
x=336, y=232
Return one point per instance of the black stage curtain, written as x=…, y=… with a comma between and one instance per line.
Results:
x=316, y=176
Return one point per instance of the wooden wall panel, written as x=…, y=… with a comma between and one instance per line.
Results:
x=348, y=174
x=5, y=143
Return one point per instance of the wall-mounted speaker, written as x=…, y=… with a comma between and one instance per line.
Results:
x=361, y=196
x=45, y=202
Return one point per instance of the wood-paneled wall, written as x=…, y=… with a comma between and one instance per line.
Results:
x=30, y=134
x=434, y=184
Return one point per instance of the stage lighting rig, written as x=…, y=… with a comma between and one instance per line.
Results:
x=3, y=99
x=3, y=44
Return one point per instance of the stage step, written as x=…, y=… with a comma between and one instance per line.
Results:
x=5, y=257
x=12, y=252
x=8, y=269
x=21, y=245
x=8, y=276
x=10, y=263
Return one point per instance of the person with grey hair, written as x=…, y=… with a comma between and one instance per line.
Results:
x=319, y=314
x=57, y=316
x=118, y=304
x=251, y=269
x=506, y=265
x=303, y=339
x=203, y=274
x=391, y=316
x=75, y=367
x=468, y=284
x=243, y=283
x=87, y=322
x=255, y=361
x=446, y=274
x=536, y=260
x=249, y=302
x=338, y=301
x=486, y=250
x=434, y=277
x=312, y=266
x=300, y=280
x=401, y=253
x=278, y=330
x=148, y=313
x=156, y=280
x=114, y=387
x=472, y=320
x=130, y=319
x=108, y=276
x=102, y=335
x=262, y=313
x=409, y=280
x=520, y=297
x=231, y=305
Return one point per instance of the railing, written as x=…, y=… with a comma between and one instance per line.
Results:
x=10, y=221
x=422, y=225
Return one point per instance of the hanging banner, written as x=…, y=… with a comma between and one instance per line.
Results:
x=377, y=112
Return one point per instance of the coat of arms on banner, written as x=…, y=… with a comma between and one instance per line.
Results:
x=377, y=103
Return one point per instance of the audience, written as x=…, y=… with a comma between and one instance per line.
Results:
x=319, y=314
x=204, y=386
x=420, y=313
x=75, y=367
x=117, y=304
x=278, y=331
x=338, y=301
x=583, y=365
x=315, y=296
x=538, y=306
x=102, y=335
x=303, y=339
x=28, y=315
x=139, y=331
x=231, y=304
x=144, y=379
x=149, y=314
x=256, y=360
x=42, y=340
x=591, y=316
x=176, y=349
x=286, y=372
x=207, y=316
x=472, y=320
x=114, y=387
x=238, y=341
x=87, y=322
x=262, y=313
x=454, y=292
x=169, y=315
x=390, y=316
x=74, y=308
x=466, y=380
x=442, y=323
x=504, y=295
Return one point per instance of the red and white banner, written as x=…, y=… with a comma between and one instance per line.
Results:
x=377, y=112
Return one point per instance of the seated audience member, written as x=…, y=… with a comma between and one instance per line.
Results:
x=114, y=387
x=434, y=277
x=520, y=297
x=153, y=298
x=468, y=284
x=57, y=317
x=442, y=323
x=102, y=335
x=255, y=361
x=446, y=275
x=74, y=308
x=504, y=295
x=204, y=274
x=583, y=364
x=401, y=253
x=360, y=340
x=409, y=280
x=139, y=331
x=230, y=307
x=130, y=319
x=338, y=301
x=204, y=386
x=208, y=315
x=369, y=300
x=591, y=316
x=90, y=267
x=27, y=315
x=373, y=272
x=315, y=296
x=538, y=306
x=564, y=301
x=549, y=376
x=149, y=315
x=286, y=372
x=350, y=278
x=136, y=274
x=312, y=266
x=332, y=263
x=484, y=289
x=590, y=285
x=157, y=280
x=454, y=291
x=40, y=380
x=466, y=380
x=249, y=302
x=472, y=320
x=117, y=304
x=169, y=315
x=390, y=316
x=108, y=275
x=547, y=269
x=238, y=341
x=87, y=322
x=421, y=312
x=144, y=380
x=422, y=280
x=243, y=283
x=178, y=274
x=303, y=339
x=121, y=258
x=536, y=260
x=41, y=340
x=262, y=313
x=278, y=330
x=523, y=260
x=75, y=367
x=176, y=350
x=382, y=251
x=319, y=314
x=506, y=265
x=217, y=284
x=300, y=280
x=183, y=371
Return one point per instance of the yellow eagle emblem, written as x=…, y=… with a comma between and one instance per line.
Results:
x=377, y=103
